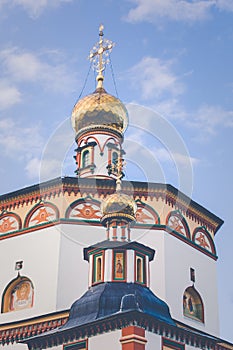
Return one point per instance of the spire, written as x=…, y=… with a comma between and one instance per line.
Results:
x=99, y=56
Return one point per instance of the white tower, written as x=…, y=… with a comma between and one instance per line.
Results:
x=99, y=121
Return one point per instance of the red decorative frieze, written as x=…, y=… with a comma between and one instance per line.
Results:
x=10, y=333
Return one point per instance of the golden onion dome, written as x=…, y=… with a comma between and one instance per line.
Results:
x=118, y=206
x=99, y=111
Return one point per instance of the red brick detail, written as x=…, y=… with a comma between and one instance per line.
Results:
x=133, y=338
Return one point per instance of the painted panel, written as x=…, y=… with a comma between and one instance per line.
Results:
x=9, y=223
x=119, y=266
x=86, y=211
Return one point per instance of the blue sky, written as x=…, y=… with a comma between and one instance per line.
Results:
x=174, y=57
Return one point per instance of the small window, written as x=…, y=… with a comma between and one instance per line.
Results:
x=192, y=274
x=85, y=158
x=114, y=158
x=98, y=268
x=140, y=269
x=193, y=305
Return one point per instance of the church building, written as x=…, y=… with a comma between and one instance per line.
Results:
x=97, y=262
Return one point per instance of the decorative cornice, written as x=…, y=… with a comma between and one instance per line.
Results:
x=188, y=336
x=103, y=187
x=21, y=330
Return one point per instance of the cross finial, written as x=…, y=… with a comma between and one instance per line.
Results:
x=99, y=55
x=120, y=174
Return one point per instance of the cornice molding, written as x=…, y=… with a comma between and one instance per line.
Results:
x=21, y=330
x=103, y=187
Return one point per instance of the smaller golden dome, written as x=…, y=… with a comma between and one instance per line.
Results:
x=99, y=110
x=118, y=206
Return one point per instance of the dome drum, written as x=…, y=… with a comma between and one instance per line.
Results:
x=98, y=129
x=117, y=218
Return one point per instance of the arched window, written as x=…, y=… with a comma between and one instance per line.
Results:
x=18, y=295
x=85, y=158
x=114, y=157
x=99, y=269
x=193, y=305
x=140, y=269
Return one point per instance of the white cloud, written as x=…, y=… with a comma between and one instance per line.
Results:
x=177, y=10
x=51, y=168
x=21, y=144
x=16, y=137
x=208, y=119
x=226, y=5
x=183, y=160
x=32, y=168
x=23, y=66
x=35, y=7
x=158, y=84
x=9, y=95
x=26, y=144
x=2, y=3
x=154, y=78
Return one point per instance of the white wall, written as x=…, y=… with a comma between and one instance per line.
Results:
x=179, y=257
x=170, y=276
x=154, y=341
x=73, y=269
x=16, y=346
x=106, y=341
x=39, y=251
x=155, y=240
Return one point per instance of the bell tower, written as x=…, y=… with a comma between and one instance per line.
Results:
x=99, y=121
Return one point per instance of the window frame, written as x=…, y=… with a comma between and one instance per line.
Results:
x=96, y=257
x=142, y=258
x=80, y=345
x=171, y=344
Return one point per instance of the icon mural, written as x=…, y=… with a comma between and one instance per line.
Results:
x=119, y=265
x=22, y=296
x=192, y=304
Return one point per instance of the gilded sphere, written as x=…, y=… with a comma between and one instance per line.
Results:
x=99, y=110
x=118, y=206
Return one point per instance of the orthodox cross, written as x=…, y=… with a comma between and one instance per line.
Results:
x=99, y=55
